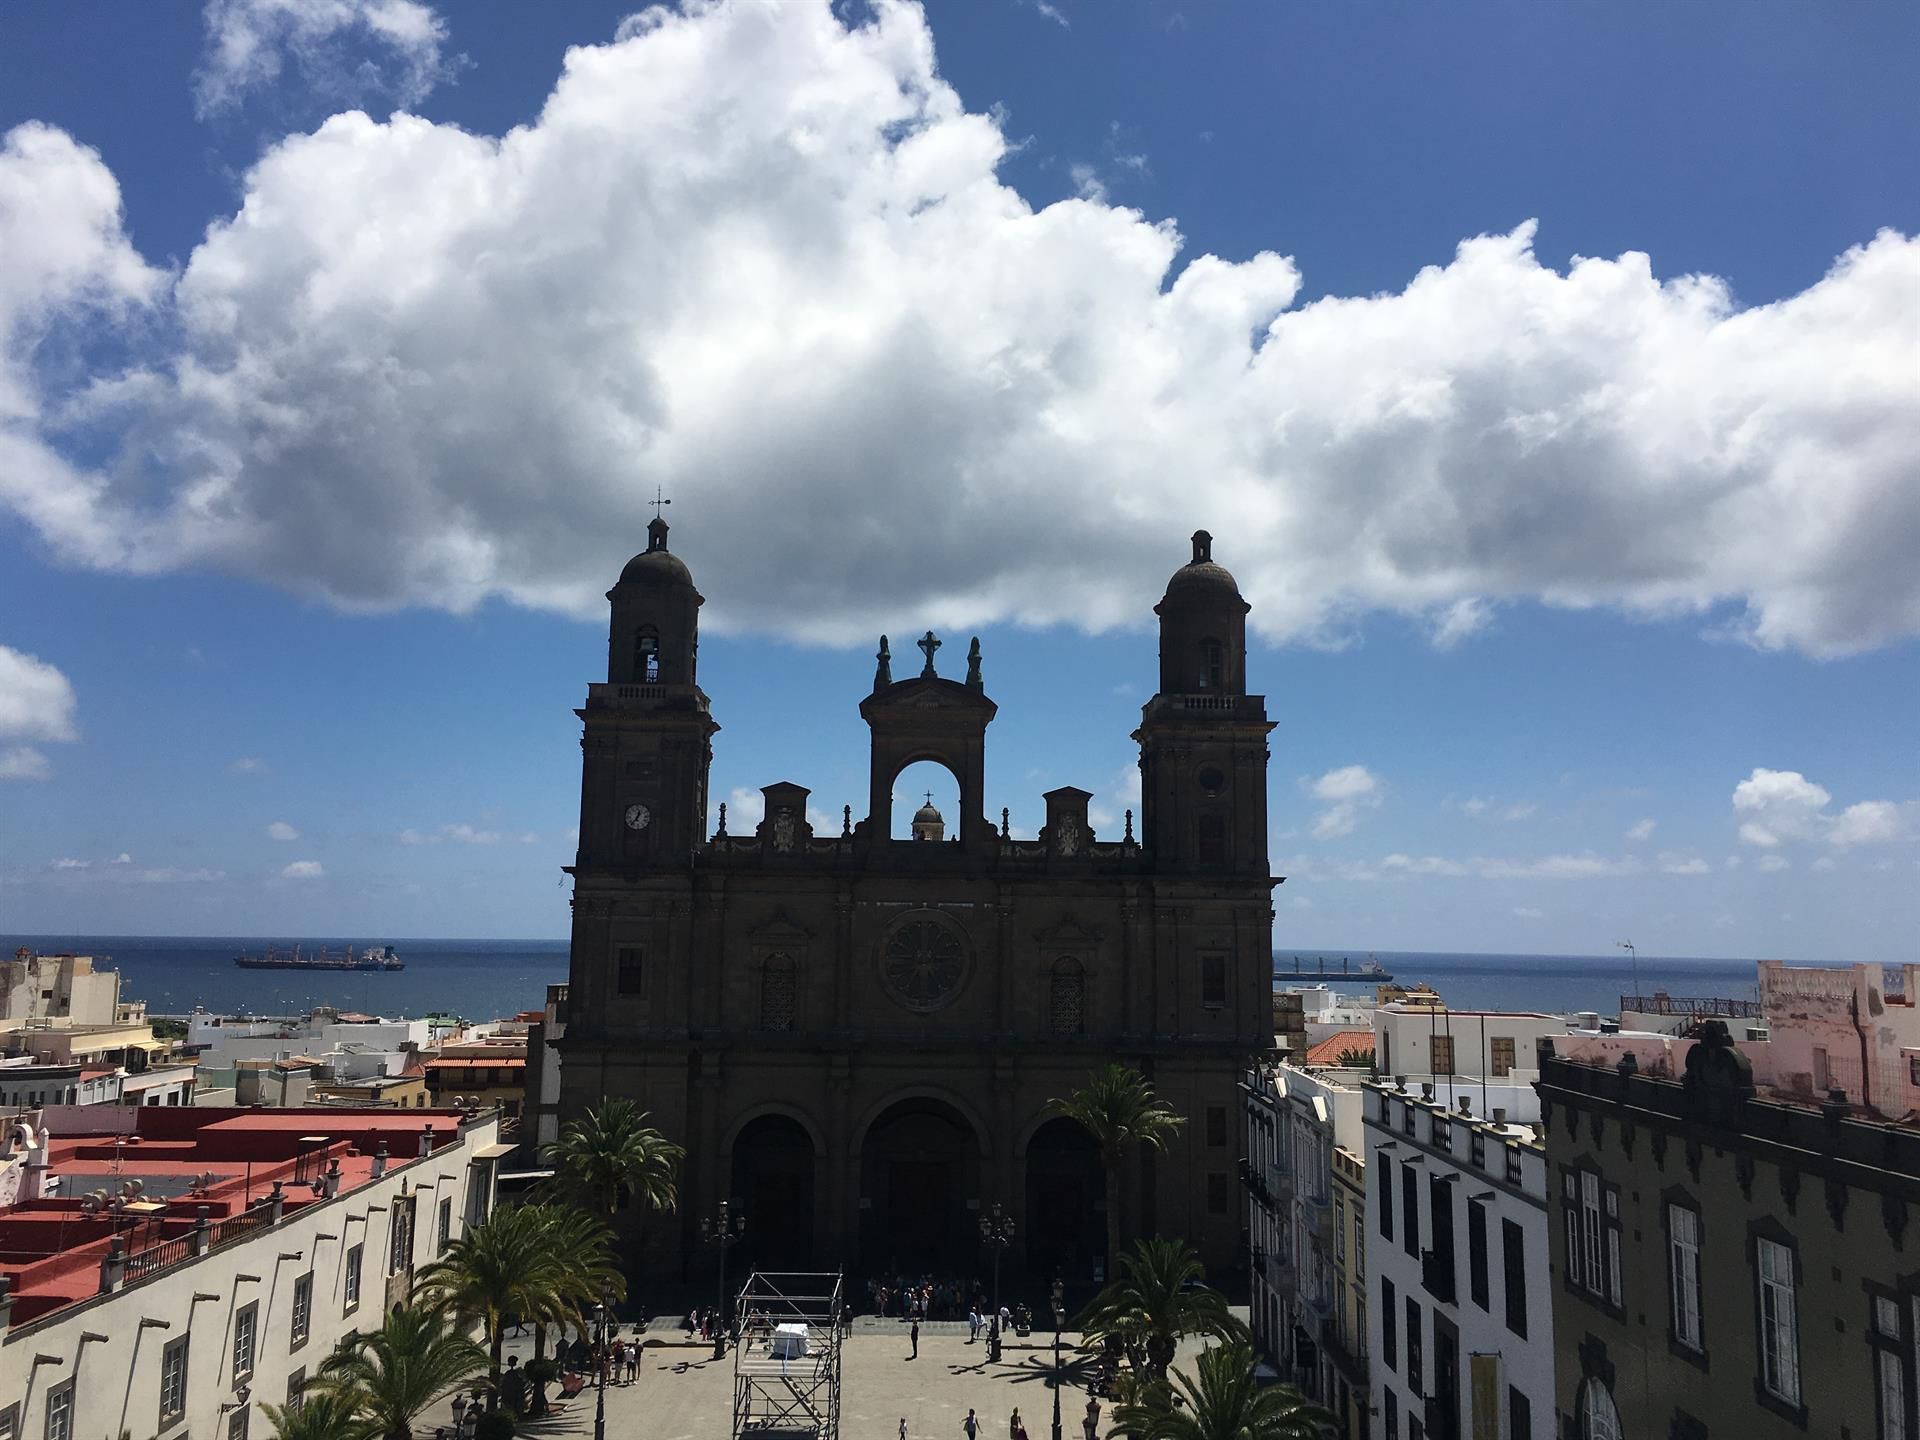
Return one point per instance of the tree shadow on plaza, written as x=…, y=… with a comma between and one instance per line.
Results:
x=1076, y=1369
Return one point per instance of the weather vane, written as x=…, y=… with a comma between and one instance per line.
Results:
x=659, y=500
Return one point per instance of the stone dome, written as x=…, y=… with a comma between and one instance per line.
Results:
x=927, y=815
x=1202, y=574
x=656, y=565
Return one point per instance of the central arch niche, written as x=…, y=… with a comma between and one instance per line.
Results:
x=911, y=789
x=919, y=1168
x=773, y=1182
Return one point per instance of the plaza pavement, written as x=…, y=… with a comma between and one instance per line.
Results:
x=685, y=1394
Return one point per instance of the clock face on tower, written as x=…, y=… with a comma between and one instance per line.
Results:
x=638, y=817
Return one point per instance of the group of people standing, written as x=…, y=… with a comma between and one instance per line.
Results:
x=1017, y=1428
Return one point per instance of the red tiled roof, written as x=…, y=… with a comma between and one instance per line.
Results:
x=1328, y=1051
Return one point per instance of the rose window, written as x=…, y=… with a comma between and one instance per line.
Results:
x=923, y=963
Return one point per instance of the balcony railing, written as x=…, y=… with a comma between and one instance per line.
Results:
x=1708, y=1006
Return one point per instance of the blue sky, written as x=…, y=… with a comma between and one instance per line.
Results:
x=1584, y=592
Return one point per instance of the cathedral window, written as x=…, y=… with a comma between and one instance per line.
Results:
x=1067, y=1004
x=1213, y=840
x=1213, y=981
x=778, y=985
x=1213, y=664
x=646, y=655
x=631, y=973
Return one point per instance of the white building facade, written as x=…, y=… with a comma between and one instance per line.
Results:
x=189, y=1336
x=1461, y=1318
x=1295, y=1121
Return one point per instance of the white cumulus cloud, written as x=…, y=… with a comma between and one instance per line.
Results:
x=1772, y=863
x=768, y=259
x=1676, y=864
x=36, y=700
x=1782, y=805
x=347, y=50
x=303, y=870
x=281, y=830
x=1345, y=791
x=1641, y=830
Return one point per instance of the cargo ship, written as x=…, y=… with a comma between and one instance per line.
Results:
x=1369, y=970
x=373, y=957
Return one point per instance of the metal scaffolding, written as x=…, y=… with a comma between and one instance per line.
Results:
x=786, y=1367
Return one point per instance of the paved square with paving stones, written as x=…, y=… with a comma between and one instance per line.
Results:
x=685, y=1394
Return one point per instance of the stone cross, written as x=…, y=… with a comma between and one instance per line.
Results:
x=928, y=643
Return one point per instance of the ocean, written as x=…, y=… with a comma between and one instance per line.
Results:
x=487, y=979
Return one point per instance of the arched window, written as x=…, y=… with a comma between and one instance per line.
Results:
x=646, y=655
x=1598, y=1419
x=1213, y=664
x=1067, y=1004
x=777, y=987
x=1213, y=840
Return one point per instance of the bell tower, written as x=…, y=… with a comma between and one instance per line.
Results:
x=648, y=739
x=1203, y=739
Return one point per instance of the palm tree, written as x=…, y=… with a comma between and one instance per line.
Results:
x=580, y=1267
x=613, y=1152
x=390, y=1375
x=1222, y=1403
x=320, y=1417
x=1118, y=1109
x=1157, y=1298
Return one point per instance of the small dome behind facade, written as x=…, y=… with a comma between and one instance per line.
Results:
x=928, y=823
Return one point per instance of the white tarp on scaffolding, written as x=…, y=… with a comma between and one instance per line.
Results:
x=788, y=1342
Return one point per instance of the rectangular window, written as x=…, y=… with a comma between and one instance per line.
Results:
x=10, y=1421
x=173, y=1381
x=1413, y=1347
x=1683, y=1275
x=1409, y=1211
x=1443, y=1055
x=353, y=1279
x=1500, y=1052
x=1213, y=981
x=244, y=1321
x=1389, y=1323
x=1591, y=1211
x=1216, y=1125
x=60, y=1412
x=1217, y=1189
x=631, y=971
x=237, y=1423
x=1391, y=1413
x=1440, y=1215
x=400, y=1237
x=296, y=1389
x=1889, y=1369
x=1477, y=1150
x=1385, y=1205
x=1440, y=1132
x=1779, y=1323
x=444, y=1237
x=1340, y=1229
x=302, y=1309
x=1519, y=1416
x=1513, y=1260
x=1477, y=1254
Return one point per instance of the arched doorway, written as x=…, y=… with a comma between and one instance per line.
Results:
x=919, y=1168
x=1066, y=1205
x=773, y=1167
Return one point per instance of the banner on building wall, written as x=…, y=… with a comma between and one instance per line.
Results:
x=1483, y=1379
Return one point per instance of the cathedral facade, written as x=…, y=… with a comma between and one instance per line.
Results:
x=856, y=1036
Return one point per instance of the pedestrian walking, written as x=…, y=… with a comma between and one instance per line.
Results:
x=633, y=1361
x=903, y=1427
x=973, y=1324
x=916, y=1341
x=1091, y=1424
x=971, y=1425
x=1016, y=1427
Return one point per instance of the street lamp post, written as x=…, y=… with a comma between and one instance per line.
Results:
x=722, y=1231
x=600, y=1364
x=1059, y=1323
x=1634, y=956
x=996, y=1233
